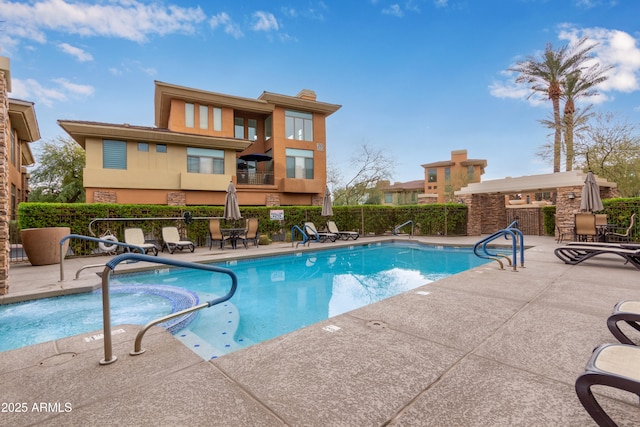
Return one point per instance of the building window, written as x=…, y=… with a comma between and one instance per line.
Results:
x=114, y=154
x=268, y=126
x=189, y=117
x=299, y=125
x=238, y=123
x=470, y=172
x=143, y=146
x=217, y=119
x=204, y=117
x=432, y=175
x=252, y=129
x=204, y=160
x=13, y=147
x=447, y=174
x=299, y=163
x=388, y=197
x=161, y=148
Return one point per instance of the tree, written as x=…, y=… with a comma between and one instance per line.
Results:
x=579, y=83
x=610, y=148
x=368, y=166
x=546, y=76
x=58, y=176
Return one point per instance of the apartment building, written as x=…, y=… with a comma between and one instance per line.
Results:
x=272, y=147
x=443, y=178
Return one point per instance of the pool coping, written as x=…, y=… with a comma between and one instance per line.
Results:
x=482, y=347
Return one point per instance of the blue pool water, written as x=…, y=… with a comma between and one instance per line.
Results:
x=275, y=295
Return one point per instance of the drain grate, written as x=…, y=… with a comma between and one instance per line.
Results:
x=376, y=324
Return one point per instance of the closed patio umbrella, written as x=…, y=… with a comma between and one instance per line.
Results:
x=327, y=208
x=591, y=201
x=231, y=207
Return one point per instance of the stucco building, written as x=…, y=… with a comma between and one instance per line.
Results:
x=272, y=147
x=443, y=178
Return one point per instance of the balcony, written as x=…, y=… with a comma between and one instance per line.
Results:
x=254, y=178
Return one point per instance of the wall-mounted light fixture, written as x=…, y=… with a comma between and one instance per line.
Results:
x=571, y=195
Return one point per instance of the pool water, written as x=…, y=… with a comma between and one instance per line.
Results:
x=275, y=295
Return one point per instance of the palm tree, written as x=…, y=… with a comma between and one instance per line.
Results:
x=546, y=76
x=579, y=83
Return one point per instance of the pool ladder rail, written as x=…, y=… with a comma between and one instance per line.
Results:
x=517, y=245
x=398, y=227
x=305, y=238
x=133, y=257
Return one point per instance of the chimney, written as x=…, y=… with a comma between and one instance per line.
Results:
x=307, y=94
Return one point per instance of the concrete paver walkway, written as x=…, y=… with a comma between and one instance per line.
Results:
x=486, y=347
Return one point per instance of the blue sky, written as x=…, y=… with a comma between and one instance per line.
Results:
x=417, y=78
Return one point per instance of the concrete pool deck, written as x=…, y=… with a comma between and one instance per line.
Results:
x=485, y=347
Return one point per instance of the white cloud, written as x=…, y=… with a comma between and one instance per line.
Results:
x=60, y=92
x=614, y=47
x=32, y=90
x=79, y=54
x=510, y=90
x=441, y=3
x=127, y=19
x=224, y=20
x=393, y=10
x=264, y=21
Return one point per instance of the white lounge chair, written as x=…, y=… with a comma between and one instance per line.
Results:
x=319, y=236
x=135, y=236
x=344, y=235
x=172, y=241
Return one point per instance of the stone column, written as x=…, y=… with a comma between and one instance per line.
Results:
x=4, y=181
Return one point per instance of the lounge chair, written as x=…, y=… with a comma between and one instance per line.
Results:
x=135, y=236
x=628, y=312
x=620, y=235
x=611, y=365
x=251, y=233
x=216, y=234
x=575, y=253
x=319, y=236
x=172, y=241
x=344, y=235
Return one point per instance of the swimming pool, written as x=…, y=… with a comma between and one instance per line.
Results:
x=275, y=295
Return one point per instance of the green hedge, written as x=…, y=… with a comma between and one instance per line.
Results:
x=436, y=219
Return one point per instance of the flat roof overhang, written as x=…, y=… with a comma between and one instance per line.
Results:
x=80, y=131
x=530, y=183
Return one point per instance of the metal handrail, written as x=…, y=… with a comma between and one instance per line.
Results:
x=516, y=236
x=106, y=310
x=91, y=239
x=305, y=238
x=397, y=227
x=184, y=217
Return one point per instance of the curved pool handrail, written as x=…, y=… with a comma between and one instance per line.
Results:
x=517, y=238
x=91, y=239
x=397, y=227
x=305, y=238
x=106, y=310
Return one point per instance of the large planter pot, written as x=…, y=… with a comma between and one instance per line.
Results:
x=42, y=245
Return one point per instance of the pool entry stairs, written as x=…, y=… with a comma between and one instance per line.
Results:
x=512, y=233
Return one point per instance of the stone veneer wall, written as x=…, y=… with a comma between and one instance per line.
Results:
x=4, y=186
x=177, y=198
x=272, y=200
x=104, y=197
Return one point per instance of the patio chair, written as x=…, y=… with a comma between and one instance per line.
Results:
x=344, y=235
x=251, y=233
x=585, y=227
x=610, y=365
x=562, y=232
x=319, y=236
x=619, y=235
x=215, y=234
x=171, y=240
x=135, y=236
x=575, y=253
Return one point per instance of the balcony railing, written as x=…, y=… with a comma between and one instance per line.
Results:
x=255, y=178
